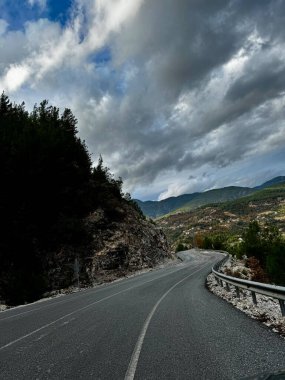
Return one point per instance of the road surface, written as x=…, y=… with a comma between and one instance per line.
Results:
x=163, y=324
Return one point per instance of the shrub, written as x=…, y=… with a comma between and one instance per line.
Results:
x=180, y=247
x=258, y=273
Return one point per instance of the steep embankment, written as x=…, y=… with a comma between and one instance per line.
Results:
x=118, y=246
x=127, y=245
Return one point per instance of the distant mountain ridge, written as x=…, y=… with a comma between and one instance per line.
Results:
x=187, y=202
x=230, y=218
x=154, y=209
x=274, y=181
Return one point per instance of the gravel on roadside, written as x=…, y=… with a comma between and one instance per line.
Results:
x=267, y=309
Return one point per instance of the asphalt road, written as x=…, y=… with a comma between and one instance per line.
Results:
x=160, y=325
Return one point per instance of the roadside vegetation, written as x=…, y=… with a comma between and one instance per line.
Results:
x=264, y=247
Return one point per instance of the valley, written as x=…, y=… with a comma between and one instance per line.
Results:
x=267, y=206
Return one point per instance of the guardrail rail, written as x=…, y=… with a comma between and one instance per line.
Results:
x=274, y=291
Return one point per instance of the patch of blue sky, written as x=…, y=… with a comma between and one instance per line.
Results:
x=121, y=88
x=121, y=84
x=102, y=57
x=124, y=78
x=59, y=10
x=18, y=12
x=113, y=79
x=110, y=81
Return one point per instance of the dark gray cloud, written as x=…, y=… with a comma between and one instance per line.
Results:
x=194, y=89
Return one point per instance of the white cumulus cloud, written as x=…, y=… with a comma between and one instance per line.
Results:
x=186, y=92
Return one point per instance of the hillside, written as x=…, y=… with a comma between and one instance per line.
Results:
x=266, y=197
x=154, y=209
x=64, y=219
x=265, y=205
x=216, y=196
x=274, y=181
x=187, y=202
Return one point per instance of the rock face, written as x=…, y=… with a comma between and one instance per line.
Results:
x=124, y=246
x=118, y=246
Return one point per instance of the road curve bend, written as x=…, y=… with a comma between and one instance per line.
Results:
x=163, y=324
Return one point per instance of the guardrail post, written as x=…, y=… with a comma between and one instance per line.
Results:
x=254, y=300
x=237, y=292
x=282, y=307
x=243, y=287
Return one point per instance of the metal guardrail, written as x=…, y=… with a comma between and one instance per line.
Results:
x=273, y=291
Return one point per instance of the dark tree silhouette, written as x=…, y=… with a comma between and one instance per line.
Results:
x=48, y=186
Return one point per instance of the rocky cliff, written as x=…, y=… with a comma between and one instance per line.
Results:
x=117, y=247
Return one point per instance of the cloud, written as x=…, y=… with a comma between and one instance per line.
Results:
x=3, y=26
x=92, y=23
x=189, y=87
x=40, y=3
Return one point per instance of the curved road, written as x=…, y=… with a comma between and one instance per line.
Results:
x=163, y=324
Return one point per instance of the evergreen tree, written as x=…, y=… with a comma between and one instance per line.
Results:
x=48, y=187
x=252, y=241
x=45, y=175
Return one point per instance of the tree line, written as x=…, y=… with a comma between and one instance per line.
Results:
x=48, y=186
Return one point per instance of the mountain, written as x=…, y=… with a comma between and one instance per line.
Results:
x=217, y=196
x=262, y=198
x=187, y=202
x=155, y=209
x=230, y=218
x=274, y=181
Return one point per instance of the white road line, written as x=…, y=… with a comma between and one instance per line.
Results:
x=39, y=308
x=63, y=301
x=131, y=371
x=78, y=294
x=60, y=319
x=82, y=308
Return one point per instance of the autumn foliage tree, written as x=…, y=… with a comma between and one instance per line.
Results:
x=268, y=246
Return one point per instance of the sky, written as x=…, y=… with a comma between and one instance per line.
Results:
x=177, y=96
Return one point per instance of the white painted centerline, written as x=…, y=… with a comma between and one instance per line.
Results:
x=75, y=295
x=131, y=371
x=83, y=308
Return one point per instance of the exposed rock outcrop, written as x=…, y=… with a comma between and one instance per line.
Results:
x=128, y=245
x=118, y=247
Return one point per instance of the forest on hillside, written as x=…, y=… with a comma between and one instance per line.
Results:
x=48, y=186
x=251, y=226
